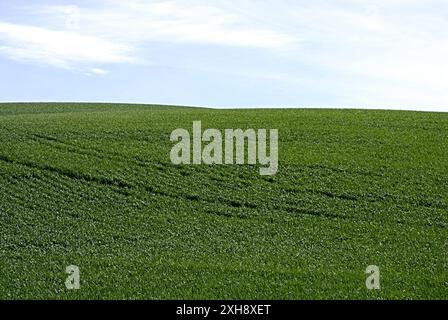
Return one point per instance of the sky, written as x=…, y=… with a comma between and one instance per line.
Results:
x=227, y=53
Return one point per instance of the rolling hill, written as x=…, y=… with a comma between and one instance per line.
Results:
x=92, y=185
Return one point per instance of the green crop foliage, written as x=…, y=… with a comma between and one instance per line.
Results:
x=92, y=185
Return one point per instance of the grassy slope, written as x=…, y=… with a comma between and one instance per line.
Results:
x=92, y=185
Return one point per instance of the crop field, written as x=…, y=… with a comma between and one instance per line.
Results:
x=92, y=185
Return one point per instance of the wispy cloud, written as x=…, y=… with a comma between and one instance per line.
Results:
x=177, y=21
x=69, y=36
x=98, y=71
x=59, y=48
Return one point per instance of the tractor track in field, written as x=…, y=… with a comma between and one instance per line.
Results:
x=127, y=189
x=68, y=173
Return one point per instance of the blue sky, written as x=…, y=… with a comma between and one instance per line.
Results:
x=246, y=53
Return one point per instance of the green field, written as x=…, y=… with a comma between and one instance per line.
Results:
x=92, y=185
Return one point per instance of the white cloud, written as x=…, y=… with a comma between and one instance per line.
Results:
x=184, y=22
x=68, y=36
x=60, y=48
x=387, y=54
x=98, y=71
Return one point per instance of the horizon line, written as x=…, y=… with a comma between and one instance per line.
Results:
x=242, y=107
